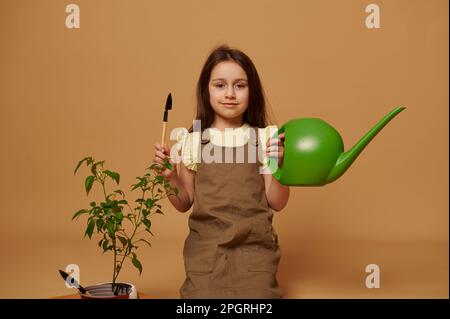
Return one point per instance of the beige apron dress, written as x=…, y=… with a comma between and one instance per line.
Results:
x=232, y=249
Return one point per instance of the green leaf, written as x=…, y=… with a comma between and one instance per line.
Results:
x=129, y=248
x=123, y=240
x=176, y=190
x=96, y=211
x=119, y=216
x=99, y=224
x=99, y=163
x=110, y=229
x=142, y=181
x=159, y=178
x=94, y=168
x=87, y=159
x=168, y=165
x=145, y=212
x=88, y=183
x=142, y=239
x=105, y=245
x=118, y=191
x=90, y=228
x=147, y=222
x=78, y=213
x=115, y=176
x=149, y=203
x=137, y=264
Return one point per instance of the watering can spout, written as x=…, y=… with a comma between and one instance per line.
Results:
x=346, y=159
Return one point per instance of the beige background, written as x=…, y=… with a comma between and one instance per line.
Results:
x=100, y=91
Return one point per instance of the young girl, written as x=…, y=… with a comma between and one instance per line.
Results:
x=232, y=249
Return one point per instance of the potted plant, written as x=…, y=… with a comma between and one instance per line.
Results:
x=120, y=226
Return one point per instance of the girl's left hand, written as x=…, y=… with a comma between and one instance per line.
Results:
x=275, y=148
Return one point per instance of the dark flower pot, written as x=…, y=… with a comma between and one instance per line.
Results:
x=105, y=291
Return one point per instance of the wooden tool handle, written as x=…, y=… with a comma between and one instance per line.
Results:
x=163, y=138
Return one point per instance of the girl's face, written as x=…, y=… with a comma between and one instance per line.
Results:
x=228, y=90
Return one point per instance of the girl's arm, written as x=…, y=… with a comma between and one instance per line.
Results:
x=184, y=181
x=276, y=193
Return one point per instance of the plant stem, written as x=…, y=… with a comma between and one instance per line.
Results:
x=114, y=270
x=113, y=242
x=128, y=251
x=104, y=190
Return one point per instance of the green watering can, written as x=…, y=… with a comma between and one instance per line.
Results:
x=314, y=152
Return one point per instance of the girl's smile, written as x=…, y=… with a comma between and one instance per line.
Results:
x=230, y=105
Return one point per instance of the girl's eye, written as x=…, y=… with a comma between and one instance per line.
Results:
x=240, y=86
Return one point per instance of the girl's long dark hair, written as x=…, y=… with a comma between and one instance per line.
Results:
x=256, y=114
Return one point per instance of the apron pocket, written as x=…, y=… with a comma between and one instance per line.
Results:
x=199, y=256
x=260, y=259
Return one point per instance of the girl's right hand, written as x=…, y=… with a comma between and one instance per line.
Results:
x=162, y=156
